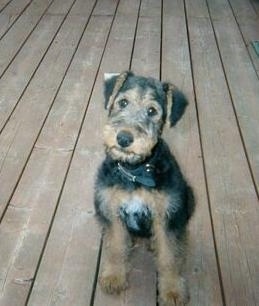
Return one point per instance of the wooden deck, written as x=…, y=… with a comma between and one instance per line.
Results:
x=53, y=54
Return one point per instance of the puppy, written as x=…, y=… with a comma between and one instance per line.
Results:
x=140, y=190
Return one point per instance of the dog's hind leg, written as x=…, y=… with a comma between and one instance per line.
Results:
x=114, y=267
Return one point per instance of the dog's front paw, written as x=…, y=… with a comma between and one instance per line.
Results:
x=174, y=294
x=113, y=283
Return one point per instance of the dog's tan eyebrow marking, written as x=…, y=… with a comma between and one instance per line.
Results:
x=119, y=83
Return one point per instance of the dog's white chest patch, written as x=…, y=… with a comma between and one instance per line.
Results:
x=137, y=217
x=134, y=206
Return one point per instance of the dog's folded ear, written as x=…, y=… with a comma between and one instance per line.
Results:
x=112, y=84
x=176, y=103
x=109, y=83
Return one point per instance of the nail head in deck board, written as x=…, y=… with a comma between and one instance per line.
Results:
x=23, y=127
x=201, y=269
x=11, y=43
x=17, y=76
x=233, y=200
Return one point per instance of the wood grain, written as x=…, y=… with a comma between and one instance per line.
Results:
x=233, y=199
x=184, y=140
x=11, y=13
x=142, y=276
x=242, y=81
x=18, y=76
x=34, y=201
x=11, y=43
x=23, y=127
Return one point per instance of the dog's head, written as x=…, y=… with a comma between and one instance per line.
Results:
x=138, y=107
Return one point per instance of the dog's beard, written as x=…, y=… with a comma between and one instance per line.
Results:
x=119, y=154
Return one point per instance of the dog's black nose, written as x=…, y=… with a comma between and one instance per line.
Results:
x=124, y=138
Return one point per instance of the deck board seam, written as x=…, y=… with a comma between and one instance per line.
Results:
x=98, y=264
x=161, y=38
x=46, y=116
x=243, y=37
x=16, y=19
x=135, y=36
x=73, y=152
x=233, y=104
x=5, y=6
x=36, y=69
x=25, y=40
x=203, y=162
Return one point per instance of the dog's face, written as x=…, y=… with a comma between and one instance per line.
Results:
x=137, y=112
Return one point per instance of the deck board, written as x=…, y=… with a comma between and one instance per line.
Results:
x=201, y=267
x=145, y=60
x=242, y=81
x=18, y=76
x=53, y=54
x=21, y=30
x=248, y=22
x=232, y=196
x=23, y=128
x=66, y=221
x=4, y=4
x=11, y=13
x=138, y=290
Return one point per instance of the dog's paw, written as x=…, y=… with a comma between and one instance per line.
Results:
x=114, y=283
x=176, y=294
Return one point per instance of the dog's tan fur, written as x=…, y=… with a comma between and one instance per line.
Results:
x=170, y=254
x=169, y=205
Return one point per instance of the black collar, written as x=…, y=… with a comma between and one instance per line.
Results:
x=144, y=174
x=147, y=172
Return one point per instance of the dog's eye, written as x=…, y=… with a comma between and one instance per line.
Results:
x=123, y=103
x=151, y=111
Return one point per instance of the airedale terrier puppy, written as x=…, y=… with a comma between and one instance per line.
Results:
x=140, y=190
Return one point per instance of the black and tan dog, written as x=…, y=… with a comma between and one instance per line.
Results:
x=140, y=190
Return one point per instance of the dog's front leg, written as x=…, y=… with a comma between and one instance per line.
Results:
x=171, y=285
x=114, y=270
